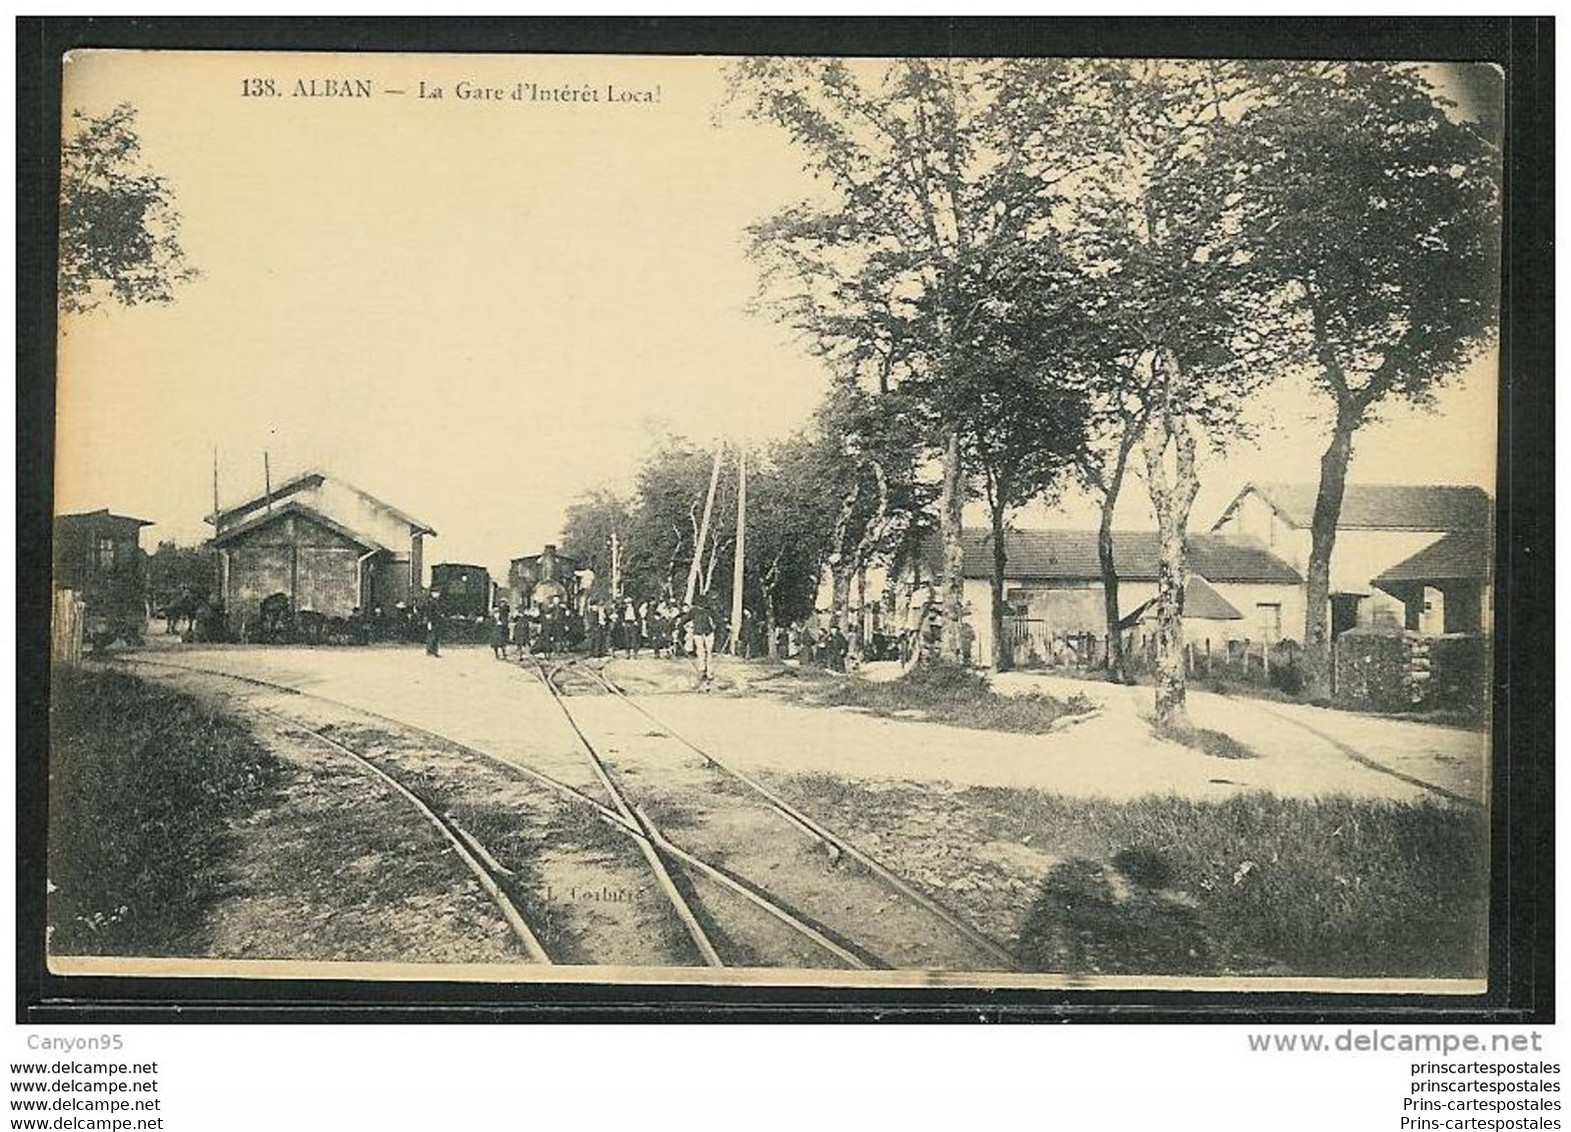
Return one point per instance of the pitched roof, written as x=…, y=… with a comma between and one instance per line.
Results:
x=228, y=534
x=312, y=479
x=1460, y=556
x=105, y=513
x=1061, y=555
x=1378, y=506
x=1200, y=600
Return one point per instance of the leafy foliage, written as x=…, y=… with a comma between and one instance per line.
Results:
x=175, y=572
x=119, y=231
x=1380, y=220
x=933, y=171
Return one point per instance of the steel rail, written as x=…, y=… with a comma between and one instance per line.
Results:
x=546, y=780
x=822, y=833
x=504, y=903
x=625, y=825
x=742, y=889
x=646, y=845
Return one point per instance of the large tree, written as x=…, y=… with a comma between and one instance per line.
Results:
x=1021, y=407
x=928, y=168
x=119, y=230
x=1167, y=222
x=866, y=447
x=1381, y=222
x=595, y=532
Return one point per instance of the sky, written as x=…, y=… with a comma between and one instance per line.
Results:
x=478, y=309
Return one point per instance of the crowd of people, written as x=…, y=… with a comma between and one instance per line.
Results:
x=627, y=627
x=607, y=628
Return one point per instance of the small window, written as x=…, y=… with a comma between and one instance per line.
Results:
x=104, y=553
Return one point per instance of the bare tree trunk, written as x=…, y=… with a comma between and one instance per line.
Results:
x=840, y=593
x=858, y=646
x=951, y=516
x=1117, y=666
x=1172, y=495
x=1117, y=663
x=1322, y=540
x=771, y=647
x=1003, y=647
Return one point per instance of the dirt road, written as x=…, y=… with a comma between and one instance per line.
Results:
x=1297, y=749
x=919, y=795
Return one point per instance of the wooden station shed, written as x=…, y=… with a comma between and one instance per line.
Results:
x=326, y=544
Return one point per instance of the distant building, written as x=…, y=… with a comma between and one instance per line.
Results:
x=1381, y=528
x=98, y=555
x=327, y=544
x=95, y=548
x=1444, y=588
x=1238, y=589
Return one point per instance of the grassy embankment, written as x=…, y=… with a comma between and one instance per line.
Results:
x=1256, y=884
x=938, y=694
x=143, y=785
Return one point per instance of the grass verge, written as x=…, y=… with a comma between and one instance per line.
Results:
x=143, y=784
x=944, y=694
x=1217, y=744
x=1251, y=885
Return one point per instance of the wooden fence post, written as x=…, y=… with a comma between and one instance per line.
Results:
x=67, y=622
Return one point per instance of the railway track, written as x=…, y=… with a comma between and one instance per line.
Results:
x=475, y=857
x=984, y=952
x=676, y=869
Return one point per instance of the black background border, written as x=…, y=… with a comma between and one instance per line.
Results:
x=1521, y=968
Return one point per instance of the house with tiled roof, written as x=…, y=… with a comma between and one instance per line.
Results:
x=1399, y=550
x=1238, y=588
x=328, y=545
x=1444, y=588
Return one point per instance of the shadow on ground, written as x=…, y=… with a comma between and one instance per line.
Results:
x=1115, y=918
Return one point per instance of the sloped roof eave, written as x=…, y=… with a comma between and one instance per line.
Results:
x=304, y=479
x=1461, y=556
x=1375, y=506
x=256, y=524
x=1067, y=557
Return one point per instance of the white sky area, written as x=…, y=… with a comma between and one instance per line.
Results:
x=479, y=310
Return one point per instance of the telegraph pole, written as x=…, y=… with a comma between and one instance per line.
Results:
x=738, y=575
x=703, y=526
x=616, y=567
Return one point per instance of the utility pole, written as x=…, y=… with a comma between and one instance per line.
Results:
x=703, y=526
x=616, y=567
x=738, y=575
x=267, y=482
x=222, y=554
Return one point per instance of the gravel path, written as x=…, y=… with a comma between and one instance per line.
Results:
x=1298, y=751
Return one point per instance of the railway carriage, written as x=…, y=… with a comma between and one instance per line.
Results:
x=466, y=589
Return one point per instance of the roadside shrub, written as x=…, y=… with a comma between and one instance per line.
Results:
x=142, y=785
x=1459, y=674
x=1373, y=669
x=954, y=695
